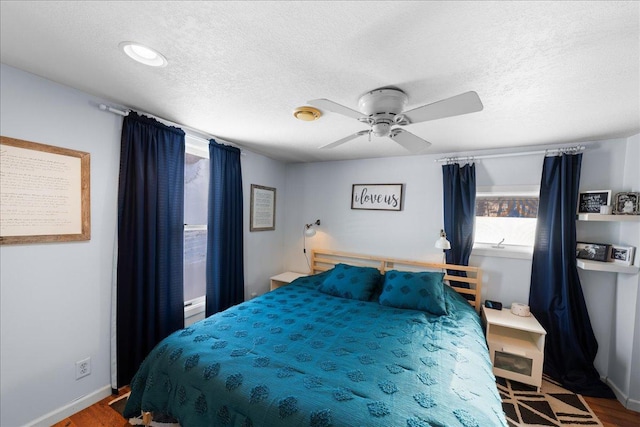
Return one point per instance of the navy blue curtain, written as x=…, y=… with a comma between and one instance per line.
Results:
x=459, y=203
x=555, y=295
x=150, y=302
x=225, y=267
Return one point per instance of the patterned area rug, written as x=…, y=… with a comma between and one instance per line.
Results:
x=553, y=406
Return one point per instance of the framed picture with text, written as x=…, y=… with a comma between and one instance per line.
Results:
x=590, y=201
x=263, y=208
x=377, y=197
x=46, y=193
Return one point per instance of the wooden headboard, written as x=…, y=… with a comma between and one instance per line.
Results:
x=323, y=260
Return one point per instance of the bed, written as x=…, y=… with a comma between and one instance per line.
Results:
x=322, y=351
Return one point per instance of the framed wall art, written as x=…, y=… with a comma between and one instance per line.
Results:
x=380, y=197
x=622, y=254
x=591, y=201
x=627, y=204
x=44, y=193
x=263, y=208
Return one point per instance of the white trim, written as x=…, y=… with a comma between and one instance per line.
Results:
x=630, y=404
x=195, y=145
x=633, y=405
x=622, y=398
x=194, y=310
x=194, y=227
x=508, y=191
x=71, y=408
x=508, y=251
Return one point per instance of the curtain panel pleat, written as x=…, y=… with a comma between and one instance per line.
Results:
x=459, y=209
x=555, y=294
x=225, y=266
x=150, y=299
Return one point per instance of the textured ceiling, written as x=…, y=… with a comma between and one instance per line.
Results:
x=546, y=72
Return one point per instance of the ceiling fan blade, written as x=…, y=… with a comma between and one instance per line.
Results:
x=335, y=108
x=346, y=139
x=409, y=141
x=468, y=102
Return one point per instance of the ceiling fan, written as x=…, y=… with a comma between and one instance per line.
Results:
x=383, y=108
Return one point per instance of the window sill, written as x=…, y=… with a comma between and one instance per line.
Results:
x=516, y=252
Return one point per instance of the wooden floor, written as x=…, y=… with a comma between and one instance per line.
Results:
x=97, y=415
x=610, y=412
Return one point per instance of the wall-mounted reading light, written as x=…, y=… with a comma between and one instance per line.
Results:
x=309, y=231
x=444, y=244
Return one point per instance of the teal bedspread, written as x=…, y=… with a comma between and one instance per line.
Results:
x=298, y=357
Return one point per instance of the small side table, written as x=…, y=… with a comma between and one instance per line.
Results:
x=516, y=345
x=284, y=279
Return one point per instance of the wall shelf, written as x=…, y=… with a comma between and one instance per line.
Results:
x=607, y=266
x=599, y=217
x=586, y=264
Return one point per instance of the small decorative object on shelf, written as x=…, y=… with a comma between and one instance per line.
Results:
x=592, y=251
x=627, y=204
x=591, y=201
x=606, y=210
x=622, y=254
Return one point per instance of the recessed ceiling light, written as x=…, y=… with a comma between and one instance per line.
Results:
x=308, y=114
x=143, y=54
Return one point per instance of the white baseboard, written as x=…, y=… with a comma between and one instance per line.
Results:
x=70, y=409
x=622, y=398
x=630, y=404
x=633, y=405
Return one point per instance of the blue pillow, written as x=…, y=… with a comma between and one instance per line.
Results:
x=349, y=281
x=414, y=290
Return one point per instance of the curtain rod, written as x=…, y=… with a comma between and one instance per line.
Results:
x=123, y=113
x=549, y=152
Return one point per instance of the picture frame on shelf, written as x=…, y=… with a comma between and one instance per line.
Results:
x=591, y=201
x=627, y=203
x=593, y=251
x=622, y=254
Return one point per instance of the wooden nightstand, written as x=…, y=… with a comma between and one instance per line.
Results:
x=516, y=345
x=284, y=279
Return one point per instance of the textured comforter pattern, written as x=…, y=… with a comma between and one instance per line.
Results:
x=298, y=357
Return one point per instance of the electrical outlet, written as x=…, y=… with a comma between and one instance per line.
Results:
x=83, y=368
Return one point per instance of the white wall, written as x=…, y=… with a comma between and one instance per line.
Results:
x=56, y=297
x=632, y=180
x=262, y=249
x=323, y=190
x=625, y=353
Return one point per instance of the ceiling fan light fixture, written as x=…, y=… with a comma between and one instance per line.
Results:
x=381, y=129
x=143, y=54
x=307, y=114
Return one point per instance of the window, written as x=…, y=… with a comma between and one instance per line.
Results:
x=506, y=217
x=196, y=196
